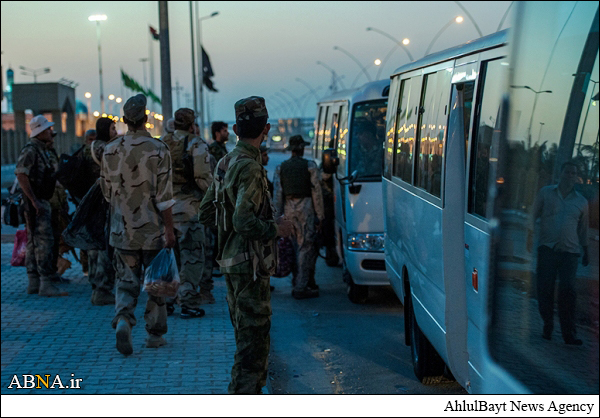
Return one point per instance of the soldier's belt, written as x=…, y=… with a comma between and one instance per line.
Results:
x=235, y=260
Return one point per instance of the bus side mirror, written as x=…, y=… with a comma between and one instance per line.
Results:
x=330, y=161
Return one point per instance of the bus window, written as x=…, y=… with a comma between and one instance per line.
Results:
x=368, y=133
x=342, y=140
x=547, y=211
x=487, y=112
x=330, y=126
x=430, y=145
x=321, y=131
x=406, y=127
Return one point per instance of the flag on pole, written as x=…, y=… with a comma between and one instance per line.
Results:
x=134, y=86
x=154, y=33
x=207, y=72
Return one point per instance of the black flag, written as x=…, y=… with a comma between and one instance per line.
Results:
x=207, y=72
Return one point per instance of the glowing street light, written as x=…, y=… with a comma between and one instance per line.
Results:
x=377, y=62
x=96, y=113
x=111, y=97
x=88, y=95
x=34, y=73
x=457, y=19
x=118, y=100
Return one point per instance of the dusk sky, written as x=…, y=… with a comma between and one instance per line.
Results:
x=256, y=48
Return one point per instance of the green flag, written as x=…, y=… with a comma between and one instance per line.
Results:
x=134, y=86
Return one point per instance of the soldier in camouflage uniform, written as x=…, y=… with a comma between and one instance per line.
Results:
x=101, y=271
x=188, y=193
x=35, y=172
x=136, y=181
x=239, y=205
x=220, y=135
x=298, y=196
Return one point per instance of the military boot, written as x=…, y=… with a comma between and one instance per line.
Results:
x=49, y=290
x=124, y=344
x=33, y=287
x=102, y=297
x=155, y=341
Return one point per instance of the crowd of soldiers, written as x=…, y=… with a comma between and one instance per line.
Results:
x=200, y=200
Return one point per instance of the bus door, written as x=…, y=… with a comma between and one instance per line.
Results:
x=459, y=122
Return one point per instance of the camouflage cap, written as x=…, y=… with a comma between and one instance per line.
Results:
x=296, y=142
x=184, y=116
x=135, y=108
x=250, y=108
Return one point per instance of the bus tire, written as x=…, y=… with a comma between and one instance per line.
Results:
x=356, y=293
x=427, y=364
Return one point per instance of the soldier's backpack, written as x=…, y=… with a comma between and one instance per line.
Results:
x=74, y=174
x=182, y=163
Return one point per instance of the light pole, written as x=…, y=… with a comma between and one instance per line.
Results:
x=532, y=110
x=283, y=105
x=337, y=48
x=34, y=73
x=314, y=93
x=285, y=100
x=457, y=19
x=470, y=17
x=111, y=97
x=98, y=19
x=586, y=116
x=376, y=63
x=88, y=96
x=540, y=134
x=201, y=64
x=402, y=44
x=334, y=77
x=144, y=61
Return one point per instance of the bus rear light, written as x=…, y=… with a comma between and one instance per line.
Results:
x=475, y=279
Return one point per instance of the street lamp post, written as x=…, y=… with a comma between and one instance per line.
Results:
x=540, y=134
x=354, y=59
x=295, y=99
x=334, y=77
x=34, y=73
x=111, y=98
x=88, y=96
x=98, y=19
x=586, y=116
x=470, y=17
x=457, y=19
x=201, y=64
x=287, y=103
x=376, y=63
x=402, y=44
x=313, y=91
x=532, y=110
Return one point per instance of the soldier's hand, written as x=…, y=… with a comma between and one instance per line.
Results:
x=39, y=209
x=169, y=239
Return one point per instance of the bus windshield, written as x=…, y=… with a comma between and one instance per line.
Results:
x=366, y=141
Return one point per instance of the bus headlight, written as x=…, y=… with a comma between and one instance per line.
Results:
x=365, y=242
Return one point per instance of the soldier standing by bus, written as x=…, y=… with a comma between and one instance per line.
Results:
x=298, y=196
x=238, y=204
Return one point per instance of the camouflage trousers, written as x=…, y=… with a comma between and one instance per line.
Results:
x=40, y=244
x=101, y=273
x=129, y=279
x=207, y=282
x=189, y=253
x=249, y=303
x=302, y=215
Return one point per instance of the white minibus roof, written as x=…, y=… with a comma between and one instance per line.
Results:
x=371, y=91
x=481, y=44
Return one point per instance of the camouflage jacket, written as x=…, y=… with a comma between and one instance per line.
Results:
x=238, y=203
x=187, y=201
x=136, y=181
x=218, y=150
x=35, y=161
x=89, y=161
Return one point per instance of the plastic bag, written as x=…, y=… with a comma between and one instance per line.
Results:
x=87, y=229
x=285, y=257
x=162, y=276
x=20, y=249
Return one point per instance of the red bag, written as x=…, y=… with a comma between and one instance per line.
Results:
x=286, y=257
x=20, y=249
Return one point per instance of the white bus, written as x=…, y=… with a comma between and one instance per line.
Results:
x=349, y=143
x=473, y=133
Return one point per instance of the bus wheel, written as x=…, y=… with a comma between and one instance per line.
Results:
x=428, y=365
x=356, y=293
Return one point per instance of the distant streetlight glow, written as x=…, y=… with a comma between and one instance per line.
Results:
x=459, y=19
x=111, y=97
x=377, y=61
x=405, y=41
x=96, y=113
x=118, y=100
x=104, y=115
x=95, y=18
x=88, y=95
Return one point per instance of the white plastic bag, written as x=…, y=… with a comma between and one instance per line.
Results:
x=162, y=276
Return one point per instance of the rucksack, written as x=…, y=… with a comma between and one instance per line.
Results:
x=74, y=174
